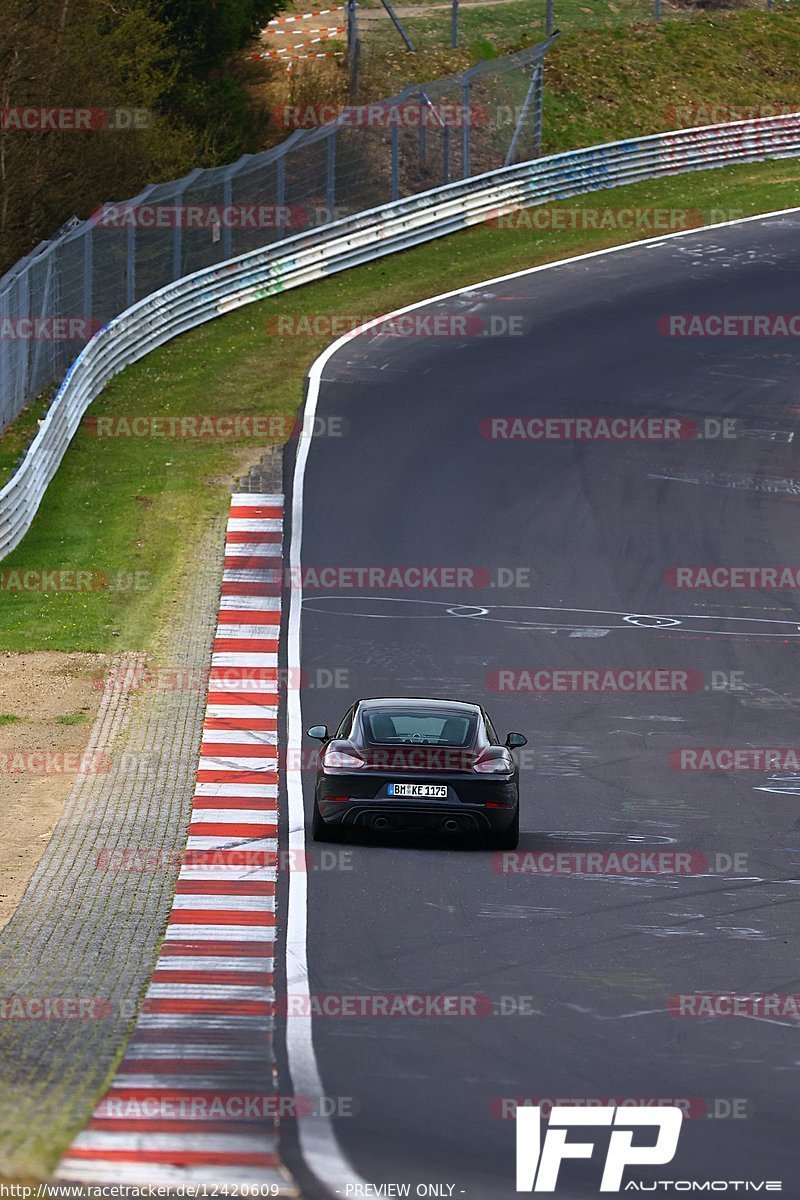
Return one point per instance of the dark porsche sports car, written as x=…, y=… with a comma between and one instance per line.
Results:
x=409, y=764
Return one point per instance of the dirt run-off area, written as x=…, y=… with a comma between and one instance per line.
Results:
x=48, y=703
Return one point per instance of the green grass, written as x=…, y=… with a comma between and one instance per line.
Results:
x=9, y=719
x=17, y=437
x=75, y=718
x=624, y=83
x=611, y=59
x=128, y=506
x=512, y=22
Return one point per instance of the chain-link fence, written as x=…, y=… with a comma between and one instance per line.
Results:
x=429, y=134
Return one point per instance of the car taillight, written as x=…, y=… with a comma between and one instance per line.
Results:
x=340, y=760
x=488, y=764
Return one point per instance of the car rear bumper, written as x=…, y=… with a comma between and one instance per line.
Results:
x=472, y=806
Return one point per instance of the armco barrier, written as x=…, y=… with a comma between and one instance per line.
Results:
x=358, y=239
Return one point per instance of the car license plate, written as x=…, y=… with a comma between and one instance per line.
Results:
x=419, y=791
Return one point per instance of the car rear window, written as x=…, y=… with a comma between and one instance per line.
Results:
x=394, y=728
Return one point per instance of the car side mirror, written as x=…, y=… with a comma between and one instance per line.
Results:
x=516, y=739
x=320, y=732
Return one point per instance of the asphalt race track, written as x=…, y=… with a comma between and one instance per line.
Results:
x=579, y=967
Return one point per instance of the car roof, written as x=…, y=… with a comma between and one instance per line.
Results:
x=419, y=702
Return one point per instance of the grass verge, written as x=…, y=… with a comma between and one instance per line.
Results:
x=613, y=73
x=623, y=73
x=130, y=510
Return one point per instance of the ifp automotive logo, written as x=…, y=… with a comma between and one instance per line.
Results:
x=538, y=1161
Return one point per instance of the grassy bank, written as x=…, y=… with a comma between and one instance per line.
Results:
x=613, y=73
x=132, y=508
x=617, y=68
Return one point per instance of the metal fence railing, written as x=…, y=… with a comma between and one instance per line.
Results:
x=315, y=254
x=429, y=134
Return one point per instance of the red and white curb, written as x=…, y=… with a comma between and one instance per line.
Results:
x=192, y=1100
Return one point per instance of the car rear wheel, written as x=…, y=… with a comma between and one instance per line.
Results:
x=509, y=838
x=321, y=832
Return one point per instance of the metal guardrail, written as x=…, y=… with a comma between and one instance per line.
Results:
x=210, y=293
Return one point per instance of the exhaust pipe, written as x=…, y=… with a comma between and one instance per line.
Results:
x=451, y=825
x=381, y=824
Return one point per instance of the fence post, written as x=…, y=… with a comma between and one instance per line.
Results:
x=353, y=48
x=177, y=232
x=395, y=139
x=331, y=188
x=227, y=233
x=534, y=93
x=47, y=308
x=538, y=105
x=226, y=241
x=8, y=397
x=23, y=345
x=355, y=78
x=130, y=251
x=227, y=230
x=88, y=266
x=130, y=266
x=454, y=25
x=657, y=9
x=523, y=112
x=446, y=154
x=549, y=19
x=398, y=24
x=466, y=130
x=422, y=114
x=177, y=241
x=280, y=185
